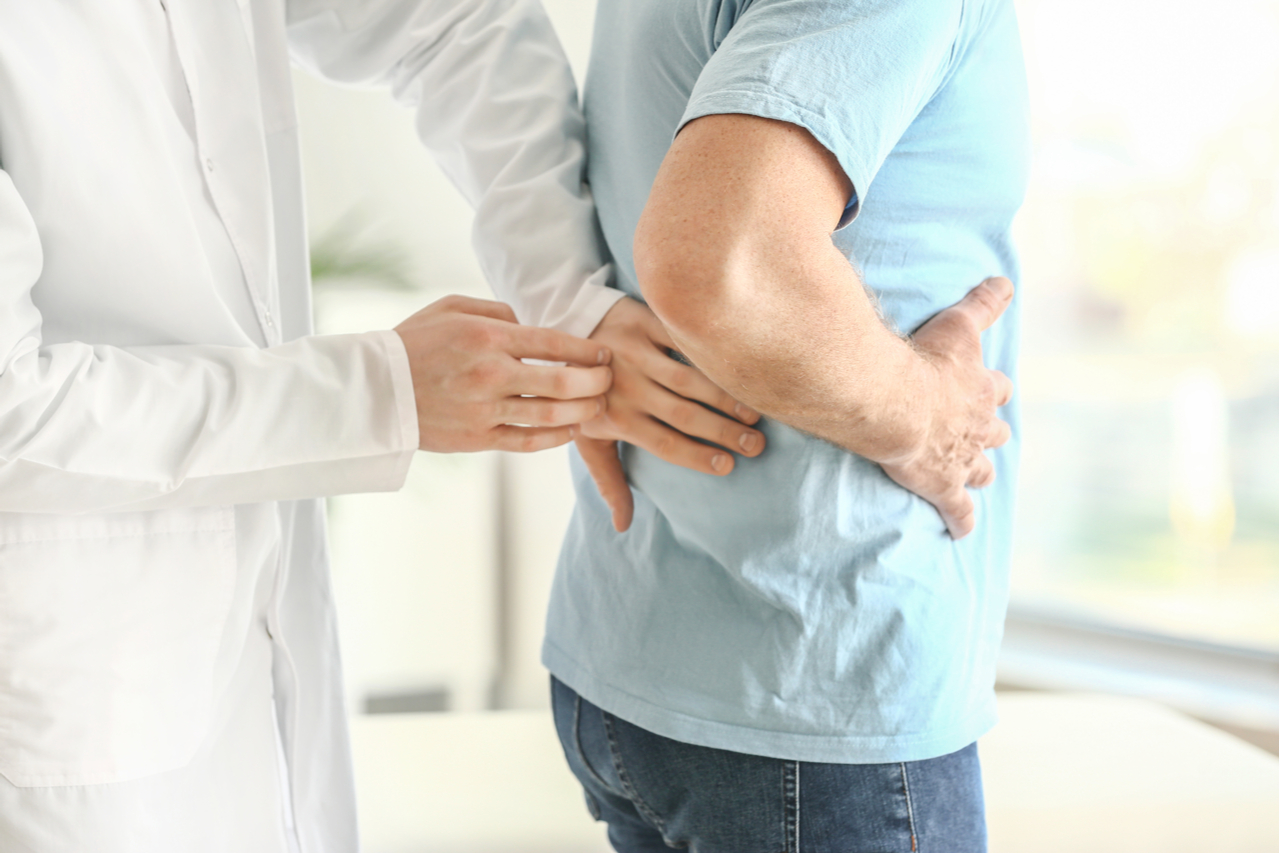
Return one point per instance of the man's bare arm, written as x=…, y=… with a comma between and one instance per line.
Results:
x=734, y=254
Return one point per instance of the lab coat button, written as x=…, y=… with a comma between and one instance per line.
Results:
x=208, y=164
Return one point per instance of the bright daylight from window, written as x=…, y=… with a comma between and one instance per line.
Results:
x=1149, y=369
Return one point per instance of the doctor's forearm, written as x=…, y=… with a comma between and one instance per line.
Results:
x=99, y=429
x=497, y=108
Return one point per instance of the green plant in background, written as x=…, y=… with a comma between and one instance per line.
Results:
x=344, y=251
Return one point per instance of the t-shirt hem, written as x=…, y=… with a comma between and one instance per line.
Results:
x=788, y=746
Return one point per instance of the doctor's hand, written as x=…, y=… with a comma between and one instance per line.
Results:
x=655, y=404
x=965, y=396
x=472, y=390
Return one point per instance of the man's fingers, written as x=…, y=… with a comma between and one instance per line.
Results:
x=560, y=383
x=1004, y=388
x=997, y=435
x=601, y=459
x=694, y=420
x=956, y=508
x=953, y=503
x=671, y=445
x=658, y=332
x=553, y=345
x=691, y=383
x=518, y=439
x=986, y=302
x=983, y=473
x=540, y=412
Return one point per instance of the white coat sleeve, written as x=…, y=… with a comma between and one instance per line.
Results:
x=98, y=428
x=497, y=107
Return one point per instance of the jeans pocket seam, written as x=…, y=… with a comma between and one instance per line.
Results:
x=577, y=744
x=911, y=815
x=628, y=788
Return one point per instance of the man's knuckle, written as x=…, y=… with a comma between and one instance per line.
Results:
x=665, y=446
x=680, y=381
x=729, y=435
x=986, y=299
x=684, y=415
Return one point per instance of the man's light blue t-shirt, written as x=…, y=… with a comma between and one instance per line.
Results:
x=805, y=606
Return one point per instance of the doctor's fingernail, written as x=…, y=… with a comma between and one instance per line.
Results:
x=747, y=442
x=743, y=413
x=720, y=462
x=602, y=356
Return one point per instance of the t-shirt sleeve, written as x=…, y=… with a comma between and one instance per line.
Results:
x=854, y=74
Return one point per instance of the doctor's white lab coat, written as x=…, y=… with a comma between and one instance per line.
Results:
x=168, y=669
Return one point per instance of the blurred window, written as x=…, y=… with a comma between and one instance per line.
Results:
x=1149, y=373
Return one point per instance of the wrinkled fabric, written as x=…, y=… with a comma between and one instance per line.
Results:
x=168, y=419
x=805, y=606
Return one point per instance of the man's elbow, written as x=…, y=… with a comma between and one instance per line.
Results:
x=684, y=279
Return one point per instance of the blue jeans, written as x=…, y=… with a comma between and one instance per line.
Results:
x=657, y=793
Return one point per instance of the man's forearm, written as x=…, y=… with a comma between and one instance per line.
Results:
x=761, y=300
x=734, y=254
x=806, y=348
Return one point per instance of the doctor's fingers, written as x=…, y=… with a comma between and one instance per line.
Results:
x=692, y=383
x=470, y=305
x=519, y=439
x=560, y=383
x=553, y=345
x=540, y=412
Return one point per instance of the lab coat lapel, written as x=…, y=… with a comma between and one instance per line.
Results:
x=217, y=57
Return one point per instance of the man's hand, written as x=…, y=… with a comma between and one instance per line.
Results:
x=472, y=390
x=654, y=404
x=966, y=395
x=734, y=254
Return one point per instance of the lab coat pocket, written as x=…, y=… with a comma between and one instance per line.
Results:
x=109, y=629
